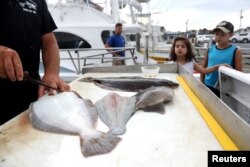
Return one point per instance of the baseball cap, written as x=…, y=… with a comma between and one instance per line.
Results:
x=225, y=26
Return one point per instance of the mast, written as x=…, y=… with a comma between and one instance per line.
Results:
x=115, y=10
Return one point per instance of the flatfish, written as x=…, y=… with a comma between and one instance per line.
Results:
x=67, y=113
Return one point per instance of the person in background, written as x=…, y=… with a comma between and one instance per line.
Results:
x=182, y=53
x=222, y=52
x=26, y=27
x=117, y=40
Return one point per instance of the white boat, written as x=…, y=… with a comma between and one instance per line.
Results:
x=83, y=29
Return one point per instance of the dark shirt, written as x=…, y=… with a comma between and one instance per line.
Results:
x=23, y=22
x=117, y=41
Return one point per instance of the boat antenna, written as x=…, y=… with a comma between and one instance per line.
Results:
x=58, y=2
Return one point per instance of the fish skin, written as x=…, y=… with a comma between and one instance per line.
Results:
x=131, y=84
x=151, y=97
x=66, y=113
x=115, y=111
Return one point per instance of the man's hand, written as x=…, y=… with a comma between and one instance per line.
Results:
x=54, y=81
x=10, y=64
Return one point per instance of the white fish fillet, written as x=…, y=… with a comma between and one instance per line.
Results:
x=66, y=113
x=115, y=111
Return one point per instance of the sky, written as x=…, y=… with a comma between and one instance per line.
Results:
x=198, y=14
x=173, y=14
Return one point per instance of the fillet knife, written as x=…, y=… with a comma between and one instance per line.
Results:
x=38, y=82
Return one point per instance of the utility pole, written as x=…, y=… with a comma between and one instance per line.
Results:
x=241, y=17
x=186, y=27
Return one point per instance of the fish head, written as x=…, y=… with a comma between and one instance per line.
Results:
x=175, y=85
x=171, y=84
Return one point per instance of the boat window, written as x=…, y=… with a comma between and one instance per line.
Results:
x=131, y=37
x=105, y=36
x=67, y=40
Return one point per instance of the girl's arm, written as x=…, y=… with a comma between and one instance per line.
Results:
x=238, y=60
x=204, y=65
x=203, y=70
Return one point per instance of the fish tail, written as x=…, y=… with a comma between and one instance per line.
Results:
x=99, y=143
x=117, y=130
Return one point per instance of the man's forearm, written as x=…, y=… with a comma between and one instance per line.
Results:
x=108, y=48
x=50, y=54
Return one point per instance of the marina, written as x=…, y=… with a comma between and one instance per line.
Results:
x=81, y=40
x=194, y=122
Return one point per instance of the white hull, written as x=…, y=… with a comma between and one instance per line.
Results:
x=88, y=24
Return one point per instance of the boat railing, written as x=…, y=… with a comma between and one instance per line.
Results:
x=103, y=56
x=200, y=53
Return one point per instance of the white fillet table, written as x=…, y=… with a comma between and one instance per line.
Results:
x=178, y=138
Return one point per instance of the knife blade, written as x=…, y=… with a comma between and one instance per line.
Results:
x=38, y=82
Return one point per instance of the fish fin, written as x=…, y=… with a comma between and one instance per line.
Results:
x=77, y=94
x=141, y=91
x=88, y=79
x=99, y=144
x=103, y=86
x=159, y=108
x=92, y=112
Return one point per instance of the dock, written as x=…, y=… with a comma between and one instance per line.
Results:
x=180, y=137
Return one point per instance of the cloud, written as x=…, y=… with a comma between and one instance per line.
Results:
x=174, y=19
x=234, y=18
x=200, y=13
